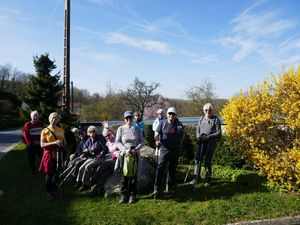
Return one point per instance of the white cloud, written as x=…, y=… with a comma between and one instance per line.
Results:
x=144, y=44
x=99, y=57
x=255, y=31
x=261, y=24
x=102, y=2
x=12, y=14
x=104, y=57
x=194, y=58
x=290, y=44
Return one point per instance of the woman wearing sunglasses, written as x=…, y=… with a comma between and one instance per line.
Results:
x=208, y=133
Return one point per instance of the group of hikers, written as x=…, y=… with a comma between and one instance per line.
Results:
x=98, y=156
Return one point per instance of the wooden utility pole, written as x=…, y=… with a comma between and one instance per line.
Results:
x=72, y=97
x=66, y=91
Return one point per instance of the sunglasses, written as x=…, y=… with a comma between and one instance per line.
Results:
x=171, y=114
x=128, y=117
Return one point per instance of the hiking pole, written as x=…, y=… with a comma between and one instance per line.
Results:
x=62, y=166
x=66, y=170
x=187, y=173
x=157, y=154
x=66, y=177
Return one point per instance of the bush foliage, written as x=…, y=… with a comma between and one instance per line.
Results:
x=263, y=125
x=223, y=156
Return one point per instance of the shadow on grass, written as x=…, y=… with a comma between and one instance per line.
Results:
x=23, y=199
x=219, y=189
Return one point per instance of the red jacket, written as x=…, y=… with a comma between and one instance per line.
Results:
x=32, y=132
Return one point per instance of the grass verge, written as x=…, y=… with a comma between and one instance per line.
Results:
x=231, y=198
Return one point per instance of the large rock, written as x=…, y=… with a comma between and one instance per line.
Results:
x=146, y=173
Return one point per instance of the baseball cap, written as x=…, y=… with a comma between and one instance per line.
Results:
x=75, y=130
x=127, y=113
x=160, y=111
x=171, y=110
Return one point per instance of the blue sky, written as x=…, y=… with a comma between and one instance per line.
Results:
x=233, y=43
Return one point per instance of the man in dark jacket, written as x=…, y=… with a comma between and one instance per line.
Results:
x=168, y=136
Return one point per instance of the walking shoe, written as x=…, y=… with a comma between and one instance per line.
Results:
x=83, y=188
x=77, y=185
x=156, y=194
x=170, y=190
x=207, y=182
x=195, y=181
x=123, y=199
x=132, y=199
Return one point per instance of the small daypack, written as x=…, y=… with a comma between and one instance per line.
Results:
x=130, y=165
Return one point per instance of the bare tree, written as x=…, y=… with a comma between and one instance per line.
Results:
x=5, y=72
x=205, y=92
x=12, y=80
x=140, y=95
x=199, y=95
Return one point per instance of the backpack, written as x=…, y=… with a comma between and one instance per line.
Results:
x=130, y=165
x=164, y=123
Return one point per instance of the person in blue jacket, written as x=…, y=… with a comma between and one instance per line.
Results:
x=139, y=121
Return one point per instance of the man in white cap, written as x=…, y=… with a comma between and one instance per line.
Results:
x=32, y=135
x=160, y=117
x=168, y=136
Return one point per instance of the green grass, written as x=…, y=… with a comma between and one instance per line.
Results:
x=231, y=198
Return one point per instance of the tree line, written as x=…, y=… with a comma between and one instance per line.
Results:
x=42, y=91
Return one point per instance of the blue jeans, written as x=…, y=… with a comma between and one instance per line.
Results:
x=204, y=149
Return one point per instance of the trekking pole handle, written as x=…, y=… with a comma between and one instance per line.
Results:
x=157, y=151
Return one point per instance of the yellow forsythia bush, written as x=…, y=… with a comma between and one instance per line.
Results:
x=263, y=125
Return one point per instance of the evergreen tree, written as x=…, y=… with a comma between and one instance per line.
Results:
x=43, y=91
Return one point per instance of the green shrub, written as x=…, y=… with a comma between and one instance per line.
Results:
x=243, y=177
x=224, y=155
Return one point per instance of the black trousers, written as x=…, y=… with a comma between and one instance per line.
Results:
x=52, y=178
x=129, y=184
x=32, y=151
x=170, y=156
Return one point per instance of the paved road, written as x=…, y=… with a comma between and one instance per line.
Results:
x=9, y=139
